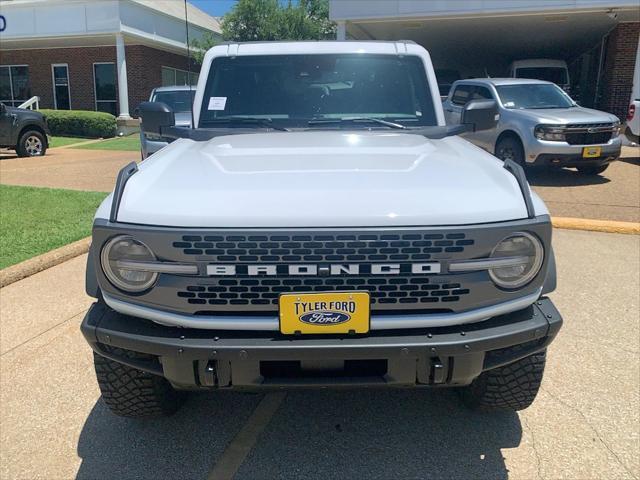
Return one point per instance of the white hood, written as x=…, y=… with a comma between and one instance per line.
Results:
x=320, y=179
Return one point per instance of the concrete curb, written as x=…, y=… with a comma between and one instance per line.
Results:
x=42, y=262
x=608, y=226
x=84, y=142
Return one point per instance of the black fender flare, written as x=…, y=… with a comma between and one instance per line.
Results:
x=91, y=281
x=550, y=279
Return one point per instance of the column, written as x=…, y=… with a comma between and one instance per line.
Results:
x=341, y=32
x=123, y=88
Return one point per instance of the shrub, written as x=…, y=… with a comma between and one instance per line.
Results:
x=80, y=123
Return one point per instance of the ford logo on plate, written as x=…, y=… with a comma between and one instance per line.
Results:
x=325, y=317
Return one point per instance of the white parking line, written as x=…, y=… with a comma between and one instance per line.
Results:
x=230, y=461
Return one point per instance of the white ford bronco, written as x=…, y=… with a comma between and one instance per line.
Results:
x=320, y=225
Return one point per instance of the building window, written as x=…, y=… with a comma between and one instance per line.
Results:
x=174, y=76
x=14, y=84
x=61, y=96
x=104, y=79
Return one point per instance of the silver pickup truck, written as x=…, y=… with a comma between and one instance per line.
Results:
x=320, y=226
x=539, y=124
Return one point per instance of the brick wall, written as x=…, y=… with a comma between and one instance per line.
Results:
x=80, y=62
x=618, y=69
x=144, y=71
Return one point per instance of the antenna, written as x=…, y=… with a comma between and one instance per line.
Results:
x=186, y=26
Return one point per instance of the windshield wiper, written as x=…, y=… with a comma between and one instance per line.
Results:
x=262, y=122
x=379, y=121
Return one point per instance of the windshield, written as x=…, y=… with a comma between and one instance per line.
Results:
x=178, y=100
x=291, y=90
x=557, y=75
x=533, y=95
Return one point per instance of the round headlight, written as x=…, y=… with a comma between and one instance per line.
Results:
x=527, y=254
x=114, y=256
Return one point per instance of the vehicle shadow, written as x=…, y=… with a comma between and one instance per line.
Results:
x=631, y=160
x=315, y=434
x=6, y=155
x=562, y=177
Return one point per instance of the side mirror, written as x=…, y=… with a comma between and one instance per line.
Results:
x=480, y=115
x=156, y=116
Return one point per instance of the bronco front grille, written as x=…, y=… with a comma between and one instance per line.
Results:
x=239, y=288
x=388, y=292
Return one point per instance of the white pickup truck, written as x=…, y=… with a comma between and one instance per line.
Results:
x=319, y=226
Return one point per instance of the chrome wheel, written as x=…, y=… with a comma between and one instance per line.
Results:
x=510, y=148
x=506, y=153
x=33, y=146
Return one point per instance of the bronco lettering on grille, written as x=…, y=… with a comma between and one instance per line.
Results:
x=218, y=270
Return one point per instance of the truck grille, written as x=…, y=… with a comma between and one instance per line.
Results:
x=578, y=134
x=388, y=292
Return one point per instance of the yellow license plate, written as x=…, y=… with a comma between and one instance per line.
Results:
x=591, y=152
x=318, y=313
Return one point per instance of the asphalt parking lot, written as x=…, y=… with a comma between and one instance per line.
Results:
x=584, y=425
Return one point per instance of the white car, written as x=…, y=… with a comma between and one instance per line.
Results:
x=550, y=70
x=320, y=226
x=632, y=127
x=180, y=99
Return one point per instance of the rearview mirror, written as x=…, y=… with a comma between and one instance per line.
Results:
x=156, y=116
x=480, y=115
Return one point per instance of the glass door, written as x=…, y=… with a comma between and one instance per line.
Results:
x=61, y=96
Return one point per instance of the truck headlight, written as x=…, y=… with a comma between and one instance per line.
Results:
x=550, y=133
x=125, y=248
x=616, y=130
x=523, y=246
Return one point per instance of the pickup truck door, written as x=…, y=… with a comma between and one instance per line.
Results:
x=6, y=127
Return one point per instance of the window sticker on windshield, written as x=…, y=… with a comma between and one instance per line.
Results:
x=217, y=103
x=509, y=104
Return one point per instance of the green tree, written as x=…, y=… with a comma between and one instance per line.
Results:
x=262, y=20
x=200, y=46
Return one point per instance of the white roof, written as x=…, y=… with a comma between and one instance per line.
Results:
x=84, y=23
x=175, y=8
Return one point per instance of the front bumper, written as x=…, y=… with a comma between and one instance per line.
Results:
x=443, y=356
x=562, y=154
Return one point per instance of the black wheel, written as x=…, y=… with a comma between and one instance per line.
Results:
x=31, y=144
x=129, y=392
x=593, y=170
x=510, y=148
x=512, y=387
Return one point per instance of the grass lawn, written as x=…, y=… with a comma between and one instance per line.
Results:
x=62, y=141
x=36, y=220
x=130, y=144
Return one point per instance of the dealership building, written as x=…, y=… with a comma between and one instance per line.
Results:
x=477, y=38
x=102, y=55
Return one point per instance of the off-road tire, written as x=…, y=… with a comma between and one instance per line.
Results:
x=593, y=170
x=27, y=143
x=512, y=387
x=132, y=393
x=510, y=147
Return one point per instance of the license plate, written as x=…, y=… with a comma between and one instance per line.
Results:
x=318, y=313
x=591, y=152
